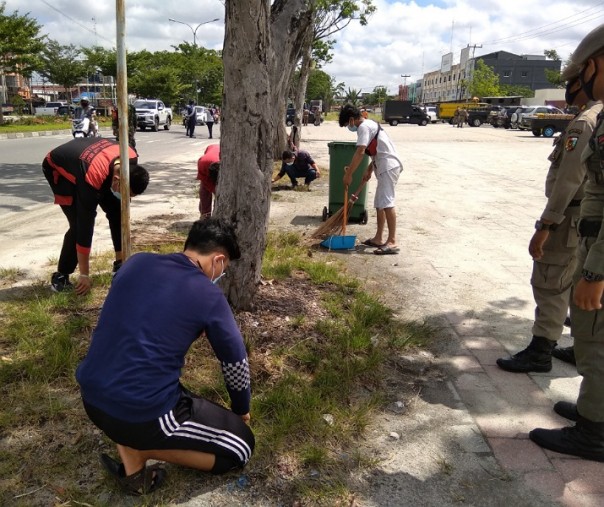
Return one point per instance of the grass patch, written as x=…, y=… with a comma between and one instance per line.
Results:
x=318, y=346
x=42, y=123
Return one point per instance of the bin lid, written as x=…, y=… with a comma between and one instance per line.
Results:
x=341, y=143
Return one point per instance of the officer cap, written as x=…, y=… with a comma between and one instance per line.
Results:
x=592, y=44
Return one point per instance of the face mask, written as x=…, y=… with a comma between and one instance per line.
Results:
x=352, y=128
x=215, y=280
x=289, y=164
x=116, y=194
x=588, y=86
x=569, y=96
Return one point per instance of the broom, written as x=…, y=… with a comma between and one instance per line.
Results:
x=337, y=222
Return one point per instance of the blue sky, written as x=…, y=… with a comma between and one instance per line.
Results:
x=402, y=37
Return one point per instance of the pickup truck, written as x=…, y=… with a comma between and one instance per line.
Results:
x=476, y=117
x=548, y=124
x=152, y=113
x=50, y=109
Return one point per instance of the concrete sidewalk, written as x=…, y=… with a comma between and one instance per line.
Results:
x=467, y=202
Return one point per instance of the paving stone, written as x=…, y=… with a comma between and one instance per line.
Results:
x=519, y=455
x=474, y=381
x=470, y=438
x=480, y=343
x=581, y=476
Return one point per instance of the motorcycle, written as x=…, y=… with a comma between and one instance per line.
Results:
x=82, y=125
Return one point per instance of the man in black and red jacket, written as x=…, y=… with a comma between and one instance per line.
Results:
x=83, y=174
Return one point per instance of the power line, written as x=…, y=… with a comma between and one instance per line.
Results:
x=536, y=31
x=78, y=23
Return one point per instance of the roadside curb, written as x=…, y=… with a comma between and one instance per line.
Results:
x=43, y=133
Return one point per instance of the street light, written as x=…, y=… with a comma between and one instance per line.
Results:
x=196, y=28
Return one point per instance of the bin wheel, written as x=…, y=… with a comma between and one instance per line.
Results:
x=324, y=216
x=364, y=217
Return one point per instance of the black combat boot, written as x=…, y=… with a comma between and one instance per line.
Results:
x=566, y=354
x=585, y=439
x=536, y=357
x=567, y=409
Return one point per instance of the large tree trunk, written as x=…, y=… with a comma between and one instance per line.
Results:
x=243, y=192
x=253, y=127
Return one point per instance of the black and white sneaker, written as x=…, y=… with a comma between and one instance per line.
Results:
x=60, y=282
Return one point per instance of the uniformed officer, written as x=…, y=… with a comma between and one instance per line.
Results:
x=586, y=438
x=553, y=246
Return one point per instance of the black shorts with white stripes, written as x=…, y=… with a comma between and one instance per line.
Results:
x=194, y=424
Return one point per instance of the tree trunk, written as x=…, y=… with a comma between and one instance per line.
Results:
x=302, y=84
x=291, y=20
x=253, y=127
x=243, y=191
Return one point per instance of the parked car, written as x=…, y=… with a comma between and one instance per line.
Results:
x=504, y=117
x=432, y=113
x=403, y=111
x=290, y=116
x=152, y=113
x=525, y=117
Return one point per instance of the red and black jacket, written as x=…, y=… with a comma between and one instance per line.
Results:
x=79, y=173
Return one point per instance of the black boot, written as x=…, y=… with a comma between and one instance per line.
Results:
x=536, y=357
x=585, y=439
x=566, y=354
x=567, y=410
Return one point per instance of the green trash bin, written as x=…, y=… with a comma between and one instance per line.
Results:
x=340, y=155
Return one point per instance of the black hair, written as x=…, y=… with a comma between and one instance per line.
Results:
x=348, y=111
x=213, y=172
x=287, y=154
x=207, y=236
x=139, y=179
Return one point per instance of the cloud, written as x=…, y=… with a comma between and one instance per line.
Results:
x=402, y=37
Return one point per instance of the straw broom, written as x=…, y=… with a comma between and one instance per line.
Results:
x=335, y=225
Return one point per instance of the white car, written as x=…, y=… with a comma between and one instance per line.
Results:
x=525, y=116
x=431, y=112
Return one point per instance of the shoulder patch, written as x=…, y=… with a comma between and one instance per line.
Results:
x=571, y=143
x=575, y=131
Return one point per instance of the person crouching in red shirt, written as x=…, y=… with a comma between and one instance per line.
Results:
x=208, y=166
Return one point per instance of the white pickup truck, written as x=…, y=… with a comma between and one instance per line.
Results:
x=50, y=109
x=152, y=113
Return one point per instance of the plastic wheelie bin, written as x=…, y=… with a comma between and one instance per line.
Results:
x=340, y=155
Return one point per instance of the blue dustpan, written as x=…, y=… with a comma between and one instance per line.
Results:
x=339, y=242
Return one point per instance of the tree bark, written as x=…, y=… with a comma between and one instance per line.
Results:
x=302, y=84
x=243, y=191
x=291, y=20
x=261, y=48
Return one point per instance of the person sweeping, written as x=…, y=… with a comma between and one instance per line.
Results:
x=373, y=141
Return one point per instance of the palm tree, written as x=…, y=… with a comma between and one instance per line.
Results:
x=353, y=96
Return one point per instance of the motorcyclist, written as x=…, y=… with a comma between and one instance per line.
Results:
x=89, y=112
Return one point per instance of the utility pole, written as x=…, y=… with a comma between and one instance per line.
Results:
x=404, y=94
x=468, y=76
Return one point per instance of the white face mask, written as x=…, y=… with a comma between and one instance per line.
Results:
x=352, y=128
x=289, y=164
x=222, y=273
x=116, y=194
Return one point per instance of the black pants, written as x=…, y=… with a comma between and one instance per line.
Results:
x=191, y=127
x=68, y=260
x=210, y=124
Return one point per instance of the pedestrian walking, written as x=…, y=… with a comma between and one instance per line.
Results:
x=210, y=121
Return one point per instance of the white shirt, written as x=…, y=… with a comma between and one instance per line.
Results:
x=386, y=157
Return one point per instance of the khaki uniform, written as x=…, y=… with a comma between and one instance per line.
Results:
x=588, y=326
x=552, y=274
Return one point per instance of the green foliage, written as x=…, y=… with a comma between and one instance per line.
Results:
x=554, y=77
x=61, y=64
x=319, y=86
x=18, y=103
x=516, y=90
x=551, y=54
x=353, y=96
x=20, y=42
x=100, y=58
x=484, y=82
x=379, y=95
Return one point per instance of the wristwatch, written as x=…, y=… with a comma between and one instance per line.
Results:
x=540, y=226
x=590, y=276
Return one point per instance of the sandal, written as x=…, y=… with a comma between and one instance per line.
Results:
x=147, y=480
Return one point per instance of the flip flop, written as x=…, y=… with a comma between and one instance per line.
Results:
x=387, y=250
x=370, y=242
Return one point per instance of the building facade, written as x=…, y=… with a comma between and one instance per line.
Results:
x=512, y=69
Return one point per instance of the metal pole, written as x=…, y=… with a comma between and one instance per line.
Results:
x=122, y=101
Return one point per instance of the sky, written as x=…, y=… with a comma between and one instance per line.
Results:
x=401, y=38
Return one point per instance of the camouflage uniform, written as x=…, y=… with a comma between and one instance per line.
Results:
x=131, y=125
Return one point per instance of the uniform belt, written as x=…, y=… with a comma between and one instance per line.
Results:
x=589, y=228
x=574, y=203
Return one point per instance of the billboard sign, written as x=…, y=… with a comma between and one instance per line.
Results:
x=446, y=62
